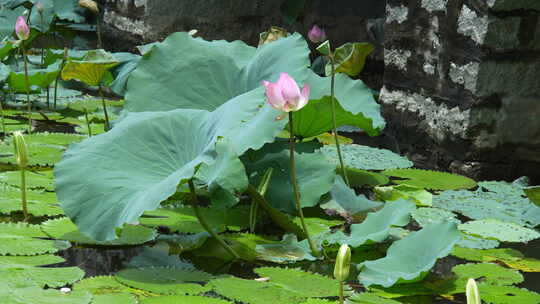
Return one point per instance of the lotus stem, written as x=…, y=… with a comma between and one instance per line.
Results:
x=334, y=122
x=98, y=31
x=87, y=122
x=107, y=125
x=58, y=76
x=27, y=81
x=48, y=95
x=23, y=194
x=2, y=114
x=202, y=221
x=297, y=191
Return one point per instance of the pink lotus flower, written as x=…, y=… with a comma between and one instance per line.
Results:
x=316, y=34
x=285, y=95
x=21, y=28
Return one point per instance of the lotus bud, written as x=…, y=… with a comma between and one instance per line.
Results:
x=40, y=8
x=21, y=28
x=343, y=263
x=89, y=4
x=21, y=150
x=285, y=95
x=473, y=296
x=316, y=34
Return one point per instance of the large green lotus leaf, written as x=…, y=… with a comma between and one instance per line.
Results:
x=182, y=219
x=113, y=178
x=40, y=276
x=473, y=242
x=29, y=261
x=244, y=244
x=165, y=280
x=41, y=20
x=346, y=202
x=366, y=158
x=68, y=10
x=122, y=72
x=37, y=78
x=183, y=299
x=427, y=215
x=64, y=229
x=499, y=230
x=187, y=72
x=534, y=194
x=428, y=179
x=91, y=69
x=412, y=256
x=36, y=295
x=350, y=58
x=376, y=227
x=353, y=96
x=289, y=250
x=4, y=72
x=315, y=177
x=504, y=202
x=38, y=203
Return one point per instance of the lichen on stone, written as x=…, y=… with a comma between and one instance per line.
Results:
x=471, y=25
x=397, y=13
x=434, y=5
x=466, y=75
x=398, y=58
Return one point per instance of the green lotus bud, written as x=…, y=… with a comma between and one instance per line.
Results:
x=21, y=150
x=473, y=296
x=343, y=263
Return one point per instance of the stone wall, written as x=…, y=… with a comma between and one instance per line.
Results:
x=462, y=84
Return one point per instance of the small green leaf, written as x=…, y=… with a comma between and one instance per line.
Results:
x=350, y=58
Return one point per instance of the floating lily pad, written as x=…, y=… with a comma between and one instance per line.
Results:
x=305, y=283
x=369, y=298
x=38, y=154
x=366, y=158
x=426, y=216
x=434, y=180
x=411, y=257
x=471, y=241
x=289, y=250
x=36, y=295
x=165, y=280
x=534, y=194
x=499, y=230
x=40, y=277
x=183, y=219
x=418, y=195
x=53, y=139
x=64, y=229
x=507, y=294
x=39, y=203
x=24, y=239
x=29, y=261
x=492, y=274
x=106, y=289
x=184, y=299
x=34, y=180
x=507, y=256
x=346, y=202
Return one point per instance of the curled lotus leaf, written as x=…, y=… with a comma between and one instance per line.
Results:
x=91, y=69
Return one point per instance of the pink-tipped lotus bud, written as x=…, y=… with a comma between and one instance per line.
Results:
x=285, y=95
x=89, y=4
x=316, y=34
x=21, y=28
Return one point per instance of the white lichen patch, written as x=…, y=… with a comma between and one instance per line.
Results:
x=398, y=58
x=122, y=23
x=466, y=75
x=428, y=68
x=441, y=121
x=434, y=5
x=397, y=13
x=471, y=25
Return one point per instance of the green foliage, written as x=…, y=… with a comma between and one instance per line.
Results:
x=420, y=196
x=24, y=239
x=369, y=298
x=499, y=230
x=434, y=180
x=410, y=258
x=157, y=256
x=40, y=277
x=165, y=280
x=37, y=78
x=426, y=216
x=473, y=242
x=305, y=283
x=28, y=261
x=507, y=295
x=376, y=227
x=183, y=219
x=507, y=256
x=534, y=194
x=64, y=229
x=289, y=250
x=280, y=191
x=492, y=274
x=367, y=158
x=346, y=202
x=38, y=154
x=53, y=139
x=107, y=288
